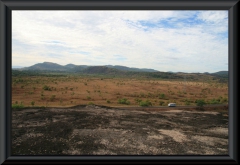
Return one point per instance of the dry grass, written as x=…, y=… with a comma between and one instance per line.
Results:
x=70, y=91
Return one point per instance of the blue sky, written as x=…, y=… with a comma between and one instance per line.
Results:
x=179, y=41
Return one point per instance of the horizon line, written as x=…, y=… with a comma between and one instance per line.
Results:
x=20, y=67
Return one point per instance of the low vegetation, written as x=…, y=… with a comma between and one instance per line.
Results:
x=200, y=103
x=124, y=101
x=145, y=103
x=62, y=90
x=17, y=106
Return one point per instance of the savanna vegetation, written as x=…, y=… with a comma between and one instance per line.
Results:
x=56, y=89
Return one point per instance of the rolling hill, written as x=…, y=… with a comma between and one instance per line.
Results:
x=117, y=71
x=46, y=66
x=76, y=68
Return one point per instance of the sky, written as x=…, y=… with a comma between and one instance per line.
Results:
x=177, y=40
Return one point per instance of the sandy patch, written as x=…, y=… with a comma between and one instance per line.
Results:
x=156, y=137
x=222, y=131
x=210, y=140
x=176, y=135
x=174, y=111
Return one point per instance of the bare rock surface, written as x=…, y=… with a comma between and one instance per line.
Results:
x=96, y=130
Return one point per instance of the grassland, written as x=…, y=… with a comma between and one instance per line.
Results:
x=87, y=115
x=71, y=90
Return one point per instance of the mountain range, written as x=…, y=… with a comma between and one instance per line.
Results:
x=117, y=70
x=71, y=67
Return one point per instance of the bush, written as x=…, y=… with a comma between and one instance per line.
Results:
x=162, y=96
x=46, y=88
x=91, y=103
x=138, y=100
x=161, y=103
x=17, y=106
x=145, y=103
x=200, y=103
x=214, y=101
x=124, y=101
x=32, y=103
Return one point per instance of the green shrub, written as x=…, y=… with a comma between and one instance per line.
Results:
x=214, y=101
x=32, y=103
x=123, y=101
x=162, y=96
x=200, y=103
x=138, y=100
x=91, y=103
x=108, y=101
x=145, y=103
x=17, y=106
x=46, y=88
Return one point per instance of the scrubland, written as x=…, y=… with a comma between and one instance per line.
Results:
x=66, y=91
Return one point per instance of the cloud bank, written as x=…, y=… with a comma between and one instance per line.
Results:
x=179, y=41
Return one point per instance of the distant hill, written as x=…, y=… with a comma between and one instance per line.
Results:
x=221, y=73
x=76, y=68
x=100, y=70
x=46, y=66
x=124, y=68
x=117, y=71
x=70, y=65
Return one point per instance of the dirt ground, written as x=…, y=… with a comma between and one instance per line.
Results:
x=67, y=92
x=96, y=130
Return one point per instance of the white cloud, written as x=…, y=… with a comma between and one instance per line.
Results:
x=213, y=16
x=162, y=40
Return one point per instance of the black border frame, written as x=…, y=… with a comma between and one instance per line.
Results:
x=6, y=6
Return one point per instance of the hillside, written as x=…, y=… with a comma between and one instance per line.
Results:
x=116, y=71
x=76, y=68
x=221, y=74
x=124, y=68
x=46, y=66
x=101, y=70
